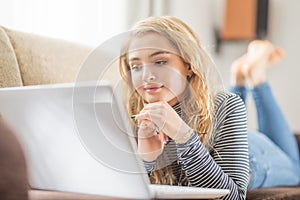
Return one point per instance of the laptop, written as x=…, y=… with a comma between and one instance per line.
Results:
x=77, y=138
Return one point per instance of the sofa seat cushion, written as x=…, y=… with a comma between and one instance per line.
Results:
x=9, y=68
x=274, y=193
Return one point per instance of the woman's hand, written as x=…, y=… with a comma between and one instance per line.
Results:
x=150, y=143
x=165, y=118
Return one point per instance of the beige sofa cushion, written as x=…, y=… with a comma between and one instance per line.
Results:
x=44, y=60
x=9, y=68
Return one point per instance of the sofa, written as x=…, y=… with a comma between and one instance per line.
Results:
x=29, y=59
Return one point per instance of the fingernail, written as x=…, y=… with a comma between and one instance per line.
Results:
x=156, y=129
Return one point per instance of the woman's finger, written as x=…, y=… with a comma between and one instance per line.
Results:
x=146, y=129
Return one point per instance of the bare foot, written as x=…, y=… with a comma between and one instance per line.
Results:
x=276, y=56
x=237, y=77
x=261, y=55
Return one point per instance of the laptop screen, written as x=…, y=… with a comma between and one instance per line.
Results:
x=75, y=139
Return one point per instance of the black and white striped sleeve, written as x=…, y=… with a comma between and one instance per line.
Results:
x=227, y=165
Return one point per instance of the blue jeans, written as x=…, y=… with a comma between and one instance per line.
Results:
x=273, y=150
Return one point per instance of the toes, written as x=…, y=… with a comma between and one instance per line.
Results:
x=276, y=56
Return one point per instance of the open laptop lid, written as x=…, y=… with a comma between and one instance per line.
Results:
x=64, y=133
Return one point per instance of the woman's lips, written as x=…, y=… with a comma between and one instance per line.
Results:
x=152, y=89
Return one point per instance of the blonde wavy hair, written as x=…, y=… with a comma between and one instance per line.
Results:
x=199, y=107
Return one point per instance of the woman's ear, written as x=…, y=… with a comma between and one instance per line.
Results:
x=190, y=72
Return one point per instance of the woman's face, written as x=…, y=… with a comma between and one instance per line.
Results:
x=158, y=73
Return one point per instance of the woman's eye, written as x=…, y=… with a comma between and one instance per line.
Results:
x=160, y=62
x=136, y=67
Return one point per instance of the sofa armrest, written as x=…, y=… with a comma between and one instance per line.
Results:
x=13, y=170
x=45, y=60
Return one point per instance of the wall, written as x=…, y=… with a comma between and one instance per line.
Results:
x=202, y=15
x=83, y=21
x=284, y=30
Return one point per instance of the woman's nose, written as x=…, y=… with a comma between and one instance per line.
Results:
x=148, y=74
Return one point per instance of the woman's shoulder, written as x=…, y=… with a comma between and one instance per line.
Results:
x=227, y=103
x=225, y=99
x=230, y=112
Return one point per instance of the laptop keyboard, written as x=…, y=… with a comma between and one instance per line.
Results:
x=184, y=192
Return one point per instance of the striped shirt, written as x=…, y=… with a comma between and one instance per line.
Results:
x=225, y=165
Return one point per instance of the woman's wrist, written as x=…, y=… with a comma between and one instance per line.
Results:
x=183, y=137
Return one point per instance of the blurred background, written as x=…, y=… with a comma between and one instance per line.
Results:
x=224, y=26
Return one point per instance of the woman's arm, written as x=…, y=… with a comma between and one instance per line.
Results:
x=227, y=167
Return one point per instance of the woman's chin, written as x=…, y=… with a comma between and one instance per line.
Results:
x=159, y=99
x=153, y=99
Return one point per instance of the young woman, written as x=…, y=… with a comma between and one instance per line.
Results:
x=273, y=151
x=187, y=133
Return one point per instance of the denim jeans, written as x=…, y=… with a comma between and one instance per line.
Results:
x=273, y=151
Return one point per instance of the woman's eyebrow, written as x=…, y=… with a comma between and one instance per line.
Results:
x=134, y=59
x=158, y=53
x=150, y=56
